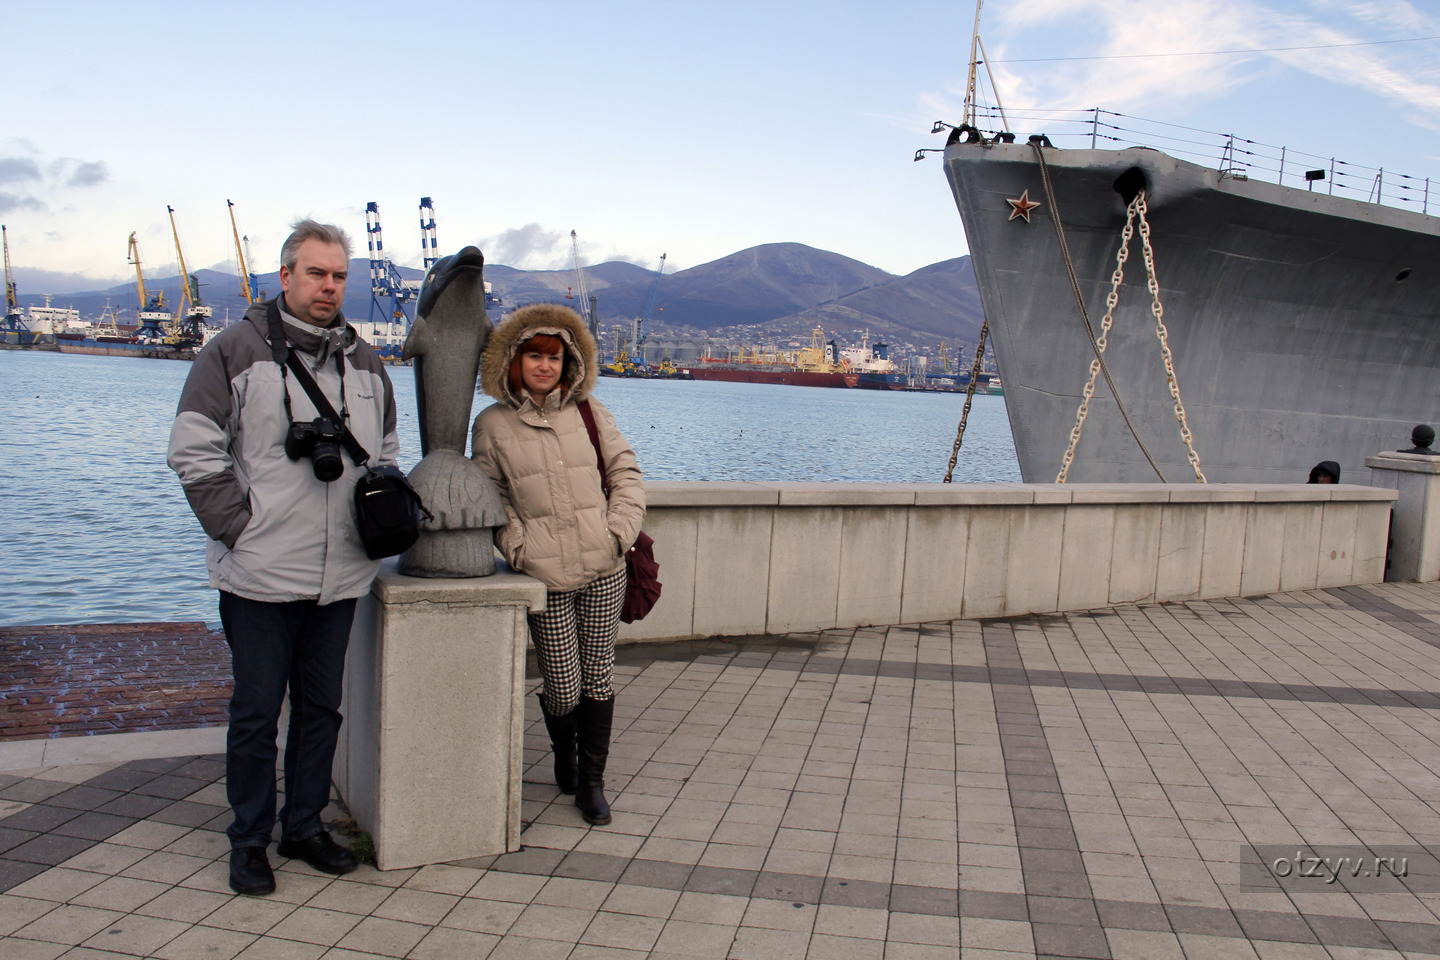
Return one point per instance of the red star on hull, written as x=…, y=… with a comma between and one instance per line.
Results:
x=1022, y=206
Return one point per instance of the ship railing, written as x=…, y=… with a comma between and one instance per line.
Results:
x=1233, y=156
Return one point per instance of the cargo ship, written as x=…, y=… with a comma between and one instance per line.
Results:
x=877, y=371
x=770, y=373
x=1303, y=324
x=813, y=366
x=157, y=335
x=107, y=339
x=122, y=347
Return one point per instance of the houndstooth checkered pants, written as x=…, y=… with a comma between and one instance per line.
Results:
x=574, y=640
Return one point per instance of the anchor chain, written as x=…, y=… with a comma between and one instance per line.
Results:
x=1134, y=212
x=1164, y=336
x=969, y=398
x=1036, y=144
x=1111, y=300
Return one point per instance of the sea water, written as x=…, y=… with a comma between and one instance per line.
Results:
x=94, y=527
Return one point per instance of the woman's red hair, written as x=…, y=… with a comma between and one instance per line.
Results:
x=545, y=343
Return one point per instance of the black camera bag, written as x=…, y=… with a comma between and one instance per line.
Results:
x=387, y=508
x=387, y=511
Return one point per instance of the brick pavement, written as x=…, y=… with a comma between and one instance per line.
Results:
x=111, y=677
x=1149, y=781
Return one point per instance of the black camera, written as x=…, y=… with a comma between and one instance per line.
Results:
x=319, y=440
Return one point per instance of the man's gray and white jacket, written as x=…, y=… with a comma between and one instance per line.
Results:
x=276, y=532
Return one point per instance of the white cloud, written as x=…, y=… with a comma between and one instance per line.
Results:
x=530, y=247
x=16, y=169
x=1404, y=73
x=88, y=174
x=32, y=280
x=33, y=183
x=1397, y=17
x=1123, y=29
x=10, y=202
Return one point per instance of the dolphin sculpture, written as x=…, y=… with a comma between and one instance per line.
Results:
x=445, y=342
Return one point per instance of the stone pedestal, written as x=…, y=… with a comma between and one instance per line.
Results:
x=430, y=754
x=1415, y=523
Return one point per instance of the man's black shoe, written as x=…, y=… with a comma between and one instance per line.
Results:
x=320, y=852
x=250, y=871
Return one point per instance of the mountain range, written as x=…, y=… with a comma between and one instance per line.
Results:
x=776, y=290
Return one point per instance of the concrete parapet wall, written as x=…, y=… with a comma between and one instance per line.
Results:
x=753, y=558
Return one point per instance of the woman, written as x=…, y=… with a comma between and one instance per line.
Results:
x=540, y=365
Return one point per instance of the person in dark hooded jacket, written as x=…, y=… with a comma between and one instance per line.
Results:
x=540, y=365
x=1326, y=471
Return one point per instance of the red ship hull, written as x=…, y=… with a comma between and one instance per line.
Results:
x=794, y=378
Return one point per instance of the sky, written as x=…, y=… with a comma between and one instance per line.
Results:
x=694, y=128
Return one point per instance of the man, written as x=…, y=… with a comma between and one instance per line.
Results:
x=284, y=551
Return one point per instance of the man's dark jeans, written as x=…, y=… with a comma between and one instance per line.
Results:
x=300, y=645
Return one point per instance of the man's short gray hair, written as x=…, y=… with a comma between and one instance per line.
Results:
x=307, y=229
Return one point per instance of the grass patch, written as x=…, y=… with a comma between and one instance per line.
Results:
x=362, y=845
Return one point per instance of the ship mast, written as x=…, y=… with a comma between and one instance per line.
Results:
x=970, y=79
x=977, y=56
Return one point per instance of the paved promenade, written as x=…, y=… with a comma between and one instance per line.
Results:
x=111, y=678
x=1200, y=780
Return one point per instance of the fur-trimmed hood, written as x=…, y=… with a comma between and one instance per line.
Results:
x=505, y=341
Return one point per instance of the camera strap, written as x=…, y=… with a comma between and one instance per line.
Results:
x=285, y=357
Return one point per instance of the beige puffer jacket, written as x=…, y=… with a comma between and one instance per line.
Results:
x=561, y=531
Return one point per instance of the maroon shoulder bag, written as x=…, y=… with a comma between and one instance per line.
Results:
x=642, y=588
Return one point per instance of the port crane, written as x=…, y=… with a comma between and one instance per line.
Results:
x=642, y=323
x=249, y=283
x=385, y=279
x=189, y=324
x=624, y=364
x=14, y=320
x=587, y=299
x=429, y=249
x=152, y=315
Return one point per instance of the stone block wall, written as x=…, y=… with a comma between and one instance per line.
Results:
x=753, y=558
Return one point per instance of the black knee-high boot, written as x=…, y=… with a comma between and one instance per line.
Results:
x=592, y=734
x=562, y=742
